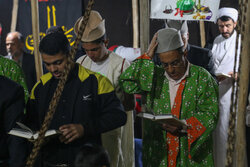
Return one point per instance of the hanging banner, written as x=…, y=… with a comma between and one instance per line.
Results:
x=185, y=9
x=62, y=13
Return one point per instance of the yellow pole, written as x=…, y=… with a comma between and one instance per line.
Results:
x=14, y=16
x=36, y=38
x=202, y=33
x=135, y=23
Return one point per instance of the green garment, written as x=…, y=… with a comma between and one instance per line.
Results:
x=13, y=71
x=185, y=5
x=199, y=101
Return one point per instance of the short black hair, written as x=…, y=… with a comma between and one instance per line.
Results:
x=92, y=155
x=54, y=43
x=225, y=18
x=54, y=29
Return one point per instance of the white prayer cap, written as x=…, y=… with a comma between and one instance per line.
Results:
x=230, y=12
x=128, y=53
x=168, y=39
x=178, y=25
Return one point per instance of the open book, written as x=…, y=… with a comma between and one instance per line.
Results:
x=27, y=133
x=222, y=74
x=164, y=118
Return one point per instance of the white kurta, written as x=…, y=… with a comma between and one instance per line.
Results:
x=119, y=142
x=223, y=59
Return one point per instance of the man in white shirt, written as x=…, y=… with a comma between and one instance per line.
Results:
x=119, y=142
x=223, y=61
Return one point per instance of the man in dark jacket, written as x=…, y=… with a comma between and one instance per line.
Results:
x=15, y=48
x=88, y=105
x=12, y=149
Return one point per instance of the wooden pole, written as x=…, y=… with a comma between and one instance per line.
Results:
x=243, y=89
x=36, y=37
x=14, y=16
x=144, y=25
x=135, y=24
x=202, y=33
x=144, y=40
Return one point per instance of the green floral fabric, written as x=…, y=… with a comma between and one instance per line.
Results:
x=199, y=101
x=13, y=71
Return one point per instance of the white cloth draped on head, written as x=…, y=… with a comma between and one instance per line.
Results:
x=128, y=53
x=230, y=12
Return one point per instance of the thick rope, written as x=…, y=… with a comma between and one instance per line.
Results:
x=56, y=97
x=233, y=107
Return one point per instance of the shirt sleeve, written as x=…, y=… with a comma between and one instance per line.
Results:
x=138, y=76
x=204, y=121
x=110, y=113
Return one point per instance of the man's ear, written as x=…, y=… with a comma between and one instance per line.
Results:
x=106, y=42
x=185, y=52
x=22, y=45
x=235, y=23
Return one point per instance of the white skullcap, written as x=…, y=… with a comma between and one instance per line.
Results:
x=230, y=12
x=128, y=53
x=178, y=25
x=168, y=39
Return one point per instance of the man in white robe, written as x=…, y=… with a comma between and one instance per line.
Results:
x=222, y=61
x=119, y=142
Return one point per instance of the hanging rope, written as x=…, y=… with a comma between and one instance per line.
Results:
x=234, y=96
x=56, y=97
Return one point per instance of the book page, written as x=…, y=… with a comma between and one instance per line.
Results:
x=48, y=133
x=154, y=117
x=223, y=74
x=21, y=133
x=24, y=127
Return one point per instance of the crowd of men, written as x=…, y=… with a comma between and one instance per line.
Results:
x=95, y=111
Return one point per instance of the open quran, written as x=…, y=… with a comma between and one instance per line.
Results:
x=27, y=133
x=163, y=118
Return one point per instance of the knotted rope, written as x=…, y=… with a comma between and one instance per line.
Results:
x=234, y=96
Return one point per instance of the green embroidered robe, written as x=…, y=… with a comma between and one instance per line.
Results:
x=199, y=108
x=13, y=71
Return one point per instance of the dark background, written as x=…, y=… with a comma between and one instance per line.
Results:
x=118, y=18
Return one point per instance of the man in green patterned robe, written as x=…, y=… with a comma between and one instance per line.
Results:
x=186, y=91
x=13, y=71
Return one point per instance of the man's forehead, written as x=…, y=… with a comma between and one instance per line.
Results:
x=220, y=22
x=52, y=58
x=90, y=46
x=170, y=56
x=12, y=39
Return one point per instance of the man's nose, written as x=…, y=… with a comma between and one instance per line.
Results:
x=53, y=68
x=90, y=53
x=170, y=69
x=224, y=29
x=8, y=46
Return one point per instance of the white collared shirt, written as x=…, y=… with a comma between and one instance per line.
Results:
x=174, y=85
